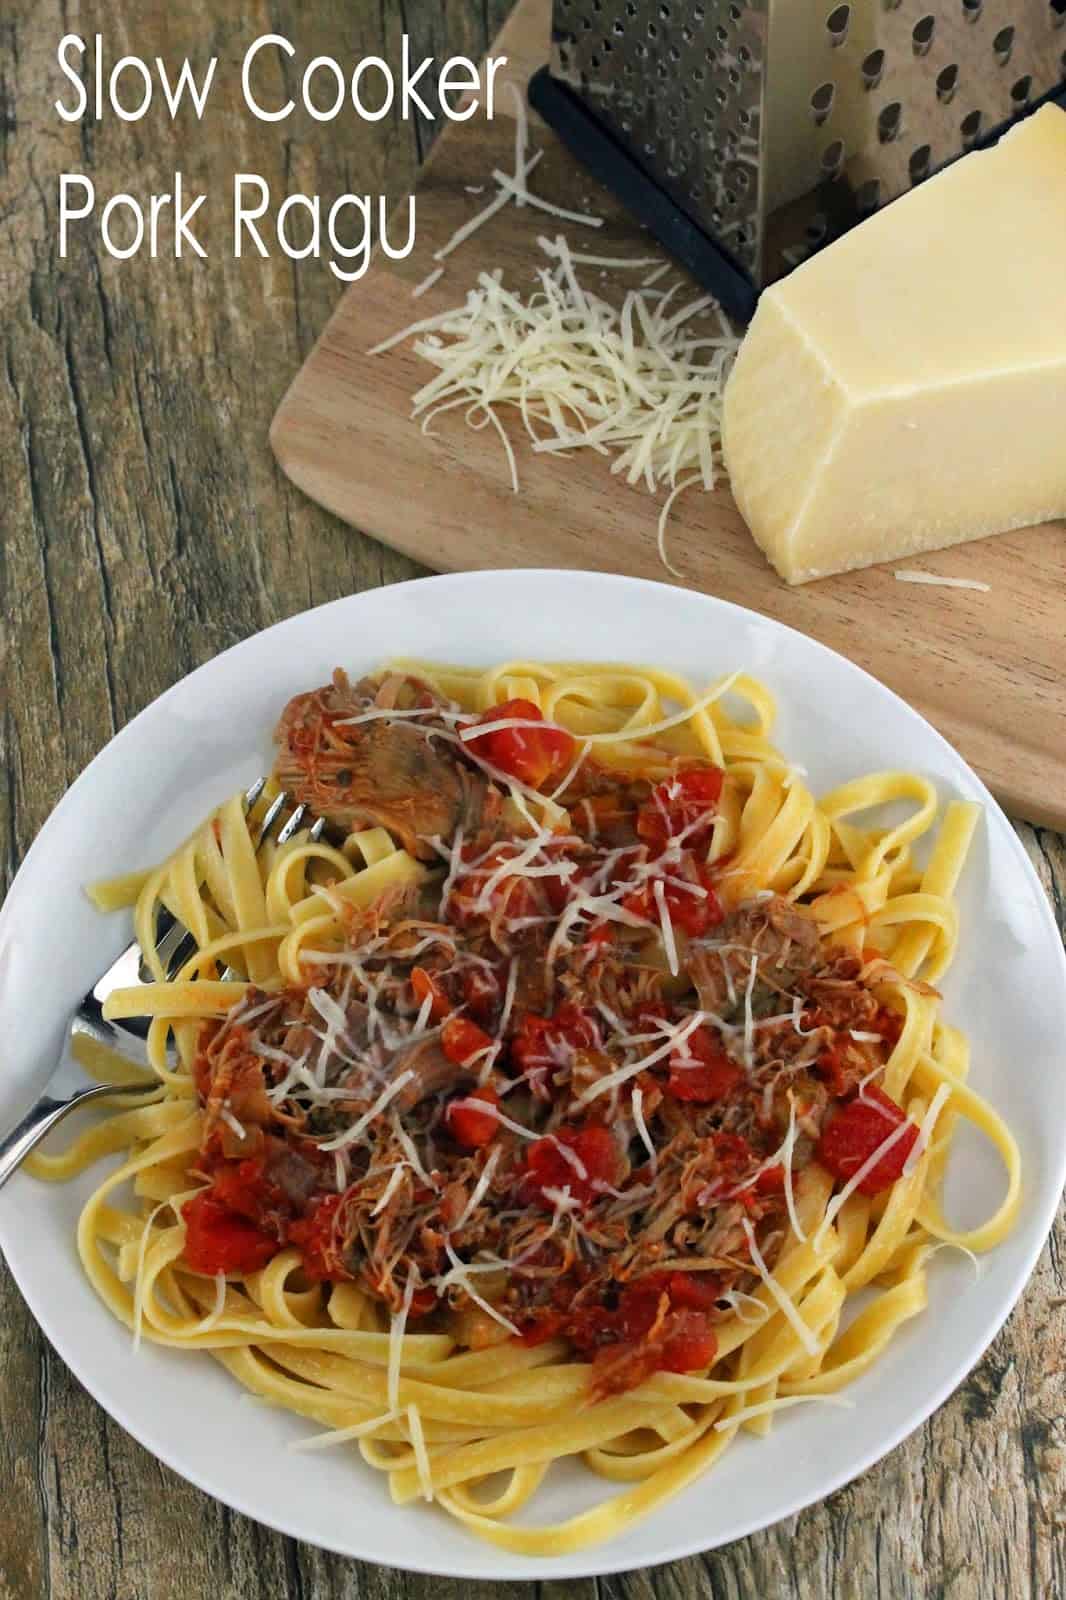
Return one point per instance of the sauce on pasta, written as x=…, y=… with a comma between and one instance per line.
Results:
x=557, y=1100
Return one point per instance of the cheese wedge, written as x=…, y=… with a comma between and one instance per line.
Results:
x=905, y=389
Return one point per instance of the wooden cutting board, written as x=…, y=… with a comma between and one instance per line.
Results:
x=987, y=669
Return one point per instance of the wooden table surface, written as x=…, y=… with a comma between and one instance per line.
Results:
x=145, y=527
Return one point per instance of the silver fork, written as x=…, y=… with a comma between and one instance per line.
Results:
x=68, y=1088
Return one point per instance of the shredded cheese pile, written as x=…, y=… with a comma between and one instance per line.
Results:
x=642, y=383
x=639, y=383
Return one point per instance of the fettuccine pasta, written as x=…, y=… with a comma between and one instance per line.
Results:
x=557, y=1101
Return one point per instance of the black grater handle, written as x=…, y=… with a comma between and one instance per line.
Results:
x=618, y=171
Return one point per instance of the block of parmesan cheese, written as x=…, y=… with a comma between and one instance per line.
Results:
x=905, y=389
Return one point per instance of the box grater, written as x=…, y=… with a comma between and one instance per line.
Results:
x=748, y=133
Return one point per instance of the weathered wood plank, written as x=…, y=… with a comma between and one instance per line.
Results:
x=145, y=527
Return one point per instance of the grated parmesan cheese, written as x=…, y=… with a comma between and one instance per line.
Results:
x=358, y=1430
x=783, y=1299
x=642, y=1128
x=460, y=1274
x=418, y=1444
x=925, y=1129
x=397, y=1325
x=935, y=581
x=635, y=383
x=782, y=1404
x=427, y=283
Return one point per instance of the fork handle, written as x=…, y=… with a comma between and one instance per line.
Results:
x=39, y=1121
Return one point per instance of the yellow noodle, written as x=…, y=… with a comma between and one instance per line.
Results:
x=322, y=1353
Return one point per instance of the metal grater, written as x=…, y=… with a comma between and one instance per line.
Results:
x=748, y=133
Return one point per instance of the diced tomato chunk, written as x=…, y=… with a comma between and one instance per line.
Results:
x=685, y=804
x=692, y=912
x=315, y=1235
x=693, y=1291
x=425, y=988
x=545, y=1042
x=857, y=1131
x=545, y=1327
x=462, y=1041
x=468, y=1124
x=690, y=1344
x=591, y=1159
x=685, y=1342
x=531, y=754
x=241, y=1186
x=511, y=895
x=481, y=990
x=219, y=1240
x=701, y=1071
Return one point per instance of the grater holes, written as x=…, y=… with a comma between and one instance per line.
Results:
x=722, y=34
x=890, y=122
x=619, y=28
x=922, y=34
x=1002, y=45
x=653, y=30
x=947, y=81
x=674, y=53
x=1021, y=89
x=868, y=196
x=837, y=24
x=720, y=96
x=873, y=68
x=687, y=34
x=1057, y=9
x=822, y=102
x=833, y=158
x=816, y=231
x=919, y=163
x=971, y=9
x=970, y=128
x=734, y=77
x=664, y=12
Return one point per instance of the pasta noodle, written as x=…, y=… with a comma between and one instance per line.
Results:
x=458, y=1408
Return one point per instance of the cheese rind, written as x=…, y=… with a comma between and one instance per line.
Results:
x=905, y=389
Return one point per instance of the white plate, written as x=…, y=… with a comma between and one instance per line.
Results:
x=211, y=733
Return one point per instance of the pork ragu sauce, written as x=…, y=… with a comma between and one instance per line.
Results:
x=595, y=1137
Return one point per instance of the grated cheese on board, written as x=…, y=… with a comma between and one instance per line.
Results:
x=641, y=385
x=936, y=581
